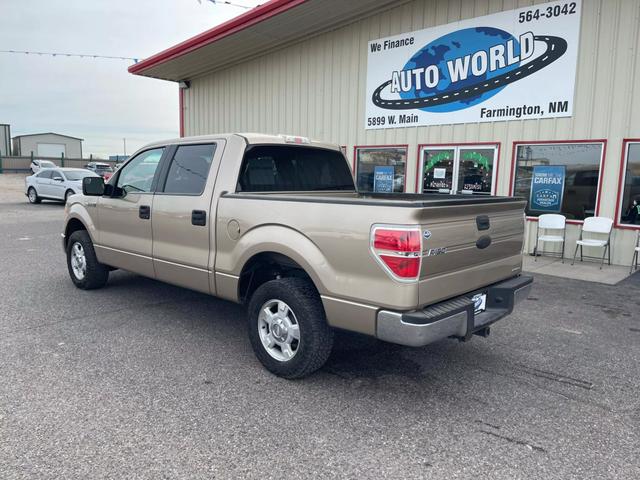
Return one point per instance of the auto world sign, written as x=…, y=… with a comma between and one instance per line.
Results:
x=518, y=64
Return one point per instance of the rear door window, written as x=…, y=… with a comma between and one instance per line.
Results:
x=271, y=168
x=189, y=169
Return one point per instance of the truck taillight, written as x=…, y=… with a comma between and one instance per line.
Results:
x=398, y=250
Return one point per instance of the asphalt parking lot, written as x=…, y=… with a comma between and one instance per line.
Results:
x=146, y=380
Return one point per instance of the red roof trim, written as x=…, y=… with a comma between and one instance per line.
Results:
x=246, y=20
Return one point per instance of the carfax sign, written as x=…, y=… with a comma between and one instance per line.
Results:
x=518, y=64
x=383, y=179
x=547, y=188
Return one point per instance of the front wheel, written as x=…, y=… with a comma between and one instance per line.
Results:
x=85, y=270
x=288, y=327
x=32, y=195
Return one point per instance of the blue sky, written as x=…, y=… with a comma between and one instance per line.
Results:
x=96, y=99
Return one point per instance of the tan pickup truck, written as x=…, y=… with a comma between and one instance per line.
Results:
x=276, y=223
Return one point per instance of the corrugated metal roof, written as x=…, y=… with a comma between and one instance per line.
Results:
x=265, y=28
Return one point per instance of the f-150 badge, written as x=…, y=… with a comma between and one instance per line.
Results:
x=432, y=252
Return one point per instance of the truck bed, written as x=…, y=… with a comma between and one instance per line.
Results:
x=411, y=200
x=455, y=259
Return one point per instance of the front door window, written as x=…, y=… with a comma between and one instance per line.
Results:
x=456, y=169
x=137, y=175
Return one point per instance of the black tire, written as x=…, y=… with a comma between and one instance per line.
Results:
x=96, y=274
x=33, y=198
x=316, y=336
x=67, y=194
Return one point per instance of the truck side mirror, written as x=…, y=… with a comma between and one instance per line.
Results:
x=93, y=186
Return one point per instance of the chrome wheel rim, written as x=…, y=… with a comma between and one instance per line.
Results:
x=279, y=330
x=78, y=261
x=32, y=195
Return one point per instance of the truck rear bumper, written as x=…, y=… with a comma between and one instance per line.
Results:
x=453, y=318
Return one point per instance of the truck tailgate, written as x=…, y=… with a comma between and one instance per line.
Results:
x=466, y=247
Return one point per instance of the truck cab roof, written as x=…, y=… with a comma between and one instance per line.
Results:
x=250, y=138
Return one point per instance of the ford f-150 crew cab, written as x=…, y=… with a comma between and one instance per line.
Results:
x=276, y=223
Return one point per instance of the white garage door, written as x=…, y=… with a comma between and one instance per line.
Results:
x=51, y=149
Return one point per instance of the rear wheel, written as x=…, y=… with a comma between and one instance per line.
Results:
x=288, y=327
x=32, y=195
x=84, y=269
x=67, y=194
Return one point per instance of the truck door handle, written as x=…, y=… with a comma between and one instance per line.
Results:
x=199, y=217
x=144, y=212
x=482, y=222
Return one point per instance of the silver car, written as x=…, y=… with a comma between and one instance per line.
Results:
x=55, y=183
x=37, y=165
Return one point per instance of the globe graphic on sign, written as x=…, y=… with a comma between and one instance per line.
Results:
x=450, y=47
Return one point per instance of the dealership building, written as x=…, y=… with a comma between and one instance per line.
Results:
x=505, y=97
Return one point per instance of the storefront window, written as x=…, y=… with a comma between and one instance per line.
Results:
x=381, y=169
x=458, y=169
x=559, y=178
x=438, y=170
x=475, y=170
x=630, y=201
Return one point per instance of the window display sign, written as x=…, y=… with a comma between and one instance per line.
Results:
x=439, y=172
x=383, y=179
x=547, y=188
x=484, y=69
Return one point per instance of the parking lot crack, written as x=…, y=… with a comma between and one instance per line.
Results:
x=481, y=422
x=556, y=377
x=515, y=441
x=513, y=375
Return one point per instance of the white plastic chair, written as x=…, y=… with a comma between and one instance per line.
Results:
x=599, y=226
x=550, y=221
x=636, y=253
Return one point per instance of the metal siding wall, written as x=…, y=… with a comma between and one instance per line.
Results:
x=73, y=147
x=316, y=88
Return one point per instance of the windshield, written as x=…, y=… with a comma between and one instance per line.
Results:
x=278, y=168
x=46, y=164
x=105, y=168
x=75, y=175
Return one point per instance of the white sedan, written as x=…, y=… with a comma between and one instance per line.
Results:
x=55, y=183
x=37, y=165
